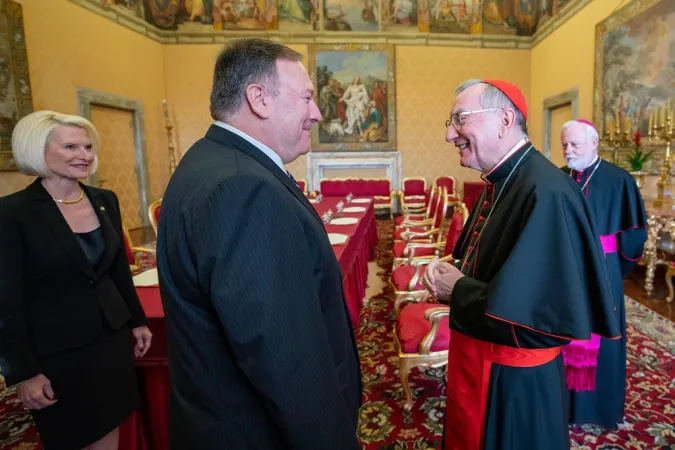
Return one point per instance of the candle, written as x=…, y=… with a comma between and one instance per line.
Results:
x=651, y=121
x=617, y=116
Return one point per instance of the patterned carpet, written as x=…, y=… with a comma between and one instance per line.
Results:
x=650, y=408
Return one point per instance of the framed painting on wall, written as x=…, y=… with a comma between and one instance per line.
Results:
x=15, y=95
x=634, y=63
x=355, y=91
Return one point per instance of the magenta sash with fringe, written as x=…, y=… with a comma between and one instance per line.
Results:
x=581, y=357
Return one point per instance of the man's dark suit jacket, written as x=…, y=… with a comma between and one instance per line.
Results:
x=262, y=354
x=51, y=299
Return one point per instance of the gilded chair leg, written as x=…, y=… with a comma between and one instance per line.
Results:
x=397, y=303
x=670, y=272
x=404, y=371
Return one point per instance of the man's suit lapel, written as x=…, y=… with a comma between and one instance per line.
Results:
x=59, y=226
x=229, y=139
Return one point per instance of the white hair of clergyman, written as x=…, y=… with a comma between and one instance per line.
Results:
x=591, y=132
x=31, y=134
x=494, y=98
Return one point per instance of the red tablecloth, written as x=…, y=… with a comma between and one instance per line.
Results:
x=147, y=428
x=472, y=190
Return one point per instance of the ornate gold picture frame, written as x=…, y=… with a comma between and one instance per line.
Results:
x=634, y=63
x=15, y=94
x=356, y=92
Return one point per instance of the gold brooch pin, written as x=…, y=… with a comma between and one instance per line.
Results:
x=102, y=208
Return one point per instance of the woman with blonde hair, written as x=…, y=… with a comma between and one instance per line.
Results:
x=68, y=307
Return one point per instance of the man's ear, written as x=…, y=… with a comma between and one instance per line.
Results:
x=259, y=100
x=595, y=142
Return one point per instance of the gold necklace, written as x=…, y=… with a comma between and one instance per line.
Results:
x=70, y=202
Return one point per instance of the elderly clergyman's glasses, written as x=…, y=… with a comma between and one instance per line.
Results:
x=457, y=120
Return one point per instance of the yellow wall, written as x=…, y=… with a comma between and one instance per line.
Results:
x=563, y=61
x=69, y=47
x=102, y=55
x=423, y=98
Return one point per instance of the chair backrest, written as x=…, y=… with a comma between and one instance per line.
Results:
x=433, y=202
x=127, y=246
x=153, y=214
x=338, y=187
x=302, y=184
x=447, y=182
x=414, y=186
x=455, y=227
x=441, y=208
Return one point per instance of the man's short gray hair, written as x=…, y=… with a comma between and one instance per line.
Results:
x=494, y=98
x=591, y=132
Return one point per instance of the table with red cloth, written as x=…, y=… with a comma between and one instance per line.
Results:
x=147, y=428
x=472, y=190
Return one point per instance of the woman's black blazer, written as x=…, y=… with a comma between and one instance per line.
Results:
x=51, y=298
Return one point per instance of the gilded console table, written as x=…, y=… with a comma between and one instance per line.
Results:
x=661, y=218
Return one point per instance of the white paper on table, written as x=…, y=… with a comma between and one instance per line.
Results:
x=147, y=278
x=354, y=209
x=337, y=238
x=361, y=200
x=344, y=221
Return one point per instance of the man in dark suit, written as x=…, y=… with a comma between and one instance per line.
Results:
x=262, y=354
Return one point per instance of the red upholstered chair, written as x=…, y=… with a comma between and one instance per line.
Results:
x=412, y=195
x=336, y=187
x=153, y=214
x=450, y=184
x=302, y=184
x=424, y=215
x=406, y=279
x=132, y=253
x=422, y=338
x=425, y=224
x=407, y=247
x=378, y=188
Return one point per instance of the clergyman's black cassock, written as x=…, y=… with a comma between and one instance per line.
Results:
x=617, y=210
x=535, y=279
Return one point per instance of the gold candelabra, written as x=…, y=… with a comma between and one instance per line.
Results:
x=169, y=132
x=616, y=136
x=661, y=133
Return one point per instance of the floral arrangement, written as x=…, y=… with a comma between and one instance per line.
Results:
x=637, y=158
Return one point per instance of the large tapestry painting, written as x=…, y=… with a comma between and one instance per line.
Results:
x=635, y=62
x=15, y=94
x=355, y=93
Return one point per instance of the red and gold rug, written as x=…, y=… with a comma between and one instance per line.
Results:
x=384, y=425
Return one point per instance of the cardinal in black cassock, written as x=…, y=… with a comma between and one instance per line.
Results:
x=530, y=278
x=596, y=370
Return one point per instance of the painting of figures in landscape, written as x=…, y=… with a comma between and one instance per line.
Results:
x=503, y=17
x=454, y=16
x=195, y=16
x=399, y=16
x=355, y=93
x=635, y=63
x=350, y=15
x=15, y=93
x=298, y=15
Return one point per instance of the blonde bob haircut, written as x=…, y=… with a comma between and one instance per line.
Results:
x=31, y=134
